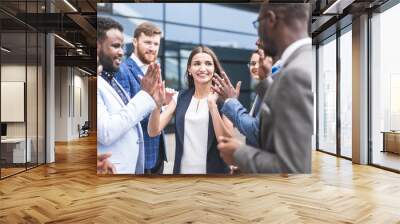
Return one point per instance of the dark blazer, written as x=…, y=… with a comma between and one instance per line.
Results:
x=215, y=164
x=286, y=119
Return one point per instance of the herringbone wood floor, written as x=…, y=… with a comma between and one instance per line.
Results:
x=69, y=191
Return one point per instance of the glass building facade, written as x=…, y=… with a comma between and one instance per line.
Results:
x=187, y=25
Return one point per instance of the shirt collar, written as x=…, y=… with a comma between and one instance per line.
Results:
x=141, y=65
x=108, y=76
x=293, y=47
x=276, y=67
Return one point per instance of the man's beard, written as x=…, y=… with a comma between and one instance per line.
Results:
x=270, y=48
x=107, y=63
x=267, y=44
x=142, y=56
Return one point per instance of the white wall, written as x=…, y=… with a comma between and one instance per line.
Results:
x=80, y=104
x=71, y=102
x=61, y=103
x=33, y=125
x=13, y=73
x=16, y=73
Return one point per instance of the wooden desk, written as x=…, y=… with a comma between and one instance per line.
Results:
x=391, y=141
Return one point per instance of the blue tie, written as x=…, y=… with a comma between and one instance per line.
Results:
x=275, y=69
x=111, y=80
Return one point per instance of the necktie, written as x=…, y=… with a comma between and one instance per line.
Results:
x=111, y=80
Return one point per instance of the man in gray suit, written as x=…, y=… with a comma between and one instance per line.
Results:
x=286, y=114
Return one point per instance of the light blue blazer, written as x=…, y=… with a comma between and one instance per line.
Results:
x=118, y=127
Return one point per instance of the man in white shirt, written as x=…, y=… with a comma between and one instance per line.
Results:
x=286, y=113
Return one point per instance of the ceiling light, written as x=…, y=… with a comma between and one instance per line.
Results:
x=338, y=6
x=64, y=40
x=79, y=51
x=84, y=71
x=5, y=50
x=70, y=5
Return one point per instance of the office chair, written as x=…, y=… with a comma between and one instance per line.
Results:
x=84, y=130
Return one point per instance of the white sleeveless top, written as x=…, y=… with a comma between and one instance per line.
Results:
x=194, y=158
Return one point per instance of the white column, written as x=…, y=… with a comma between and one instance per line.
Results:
x=50, y=99
x=360, y=90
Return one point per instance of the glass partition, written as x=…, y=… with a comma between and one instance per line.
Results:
x=22, y=88
x=385, y=89
x=13, y=95
x=346, y=93
x=327, y=96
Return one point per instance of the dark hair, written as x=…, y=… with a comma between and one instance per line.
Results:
x=291, y=13
x=207, y=50
x=252, y=53
x=105, y=24
x=148, y=29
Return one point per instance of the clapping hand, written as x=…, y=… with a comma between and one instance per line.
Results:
x=151, y=80
x=159, y=95
x=103, y=165
x=169, y=94
x=212, y=98
x=227, y=147
x=265, y=65
x=234, y=169
x=224, y=87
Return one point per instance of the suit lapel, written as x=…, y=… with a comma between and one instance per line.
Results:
x=136, y=71
x=294, y=55
x=111, y=90
x=269, y=96
x=210, y=139
x=255, y=107
x=181, y=108
x=184, y=101
x=284, y=65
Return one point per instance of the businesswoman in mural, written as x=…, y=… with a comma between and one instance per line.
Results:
x=198, y=120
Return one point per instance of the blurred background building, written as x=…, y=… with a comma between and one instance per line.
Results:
x=187, y=25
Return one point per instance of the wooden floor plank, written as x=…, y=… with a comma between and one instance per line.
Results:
x=69, y=191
